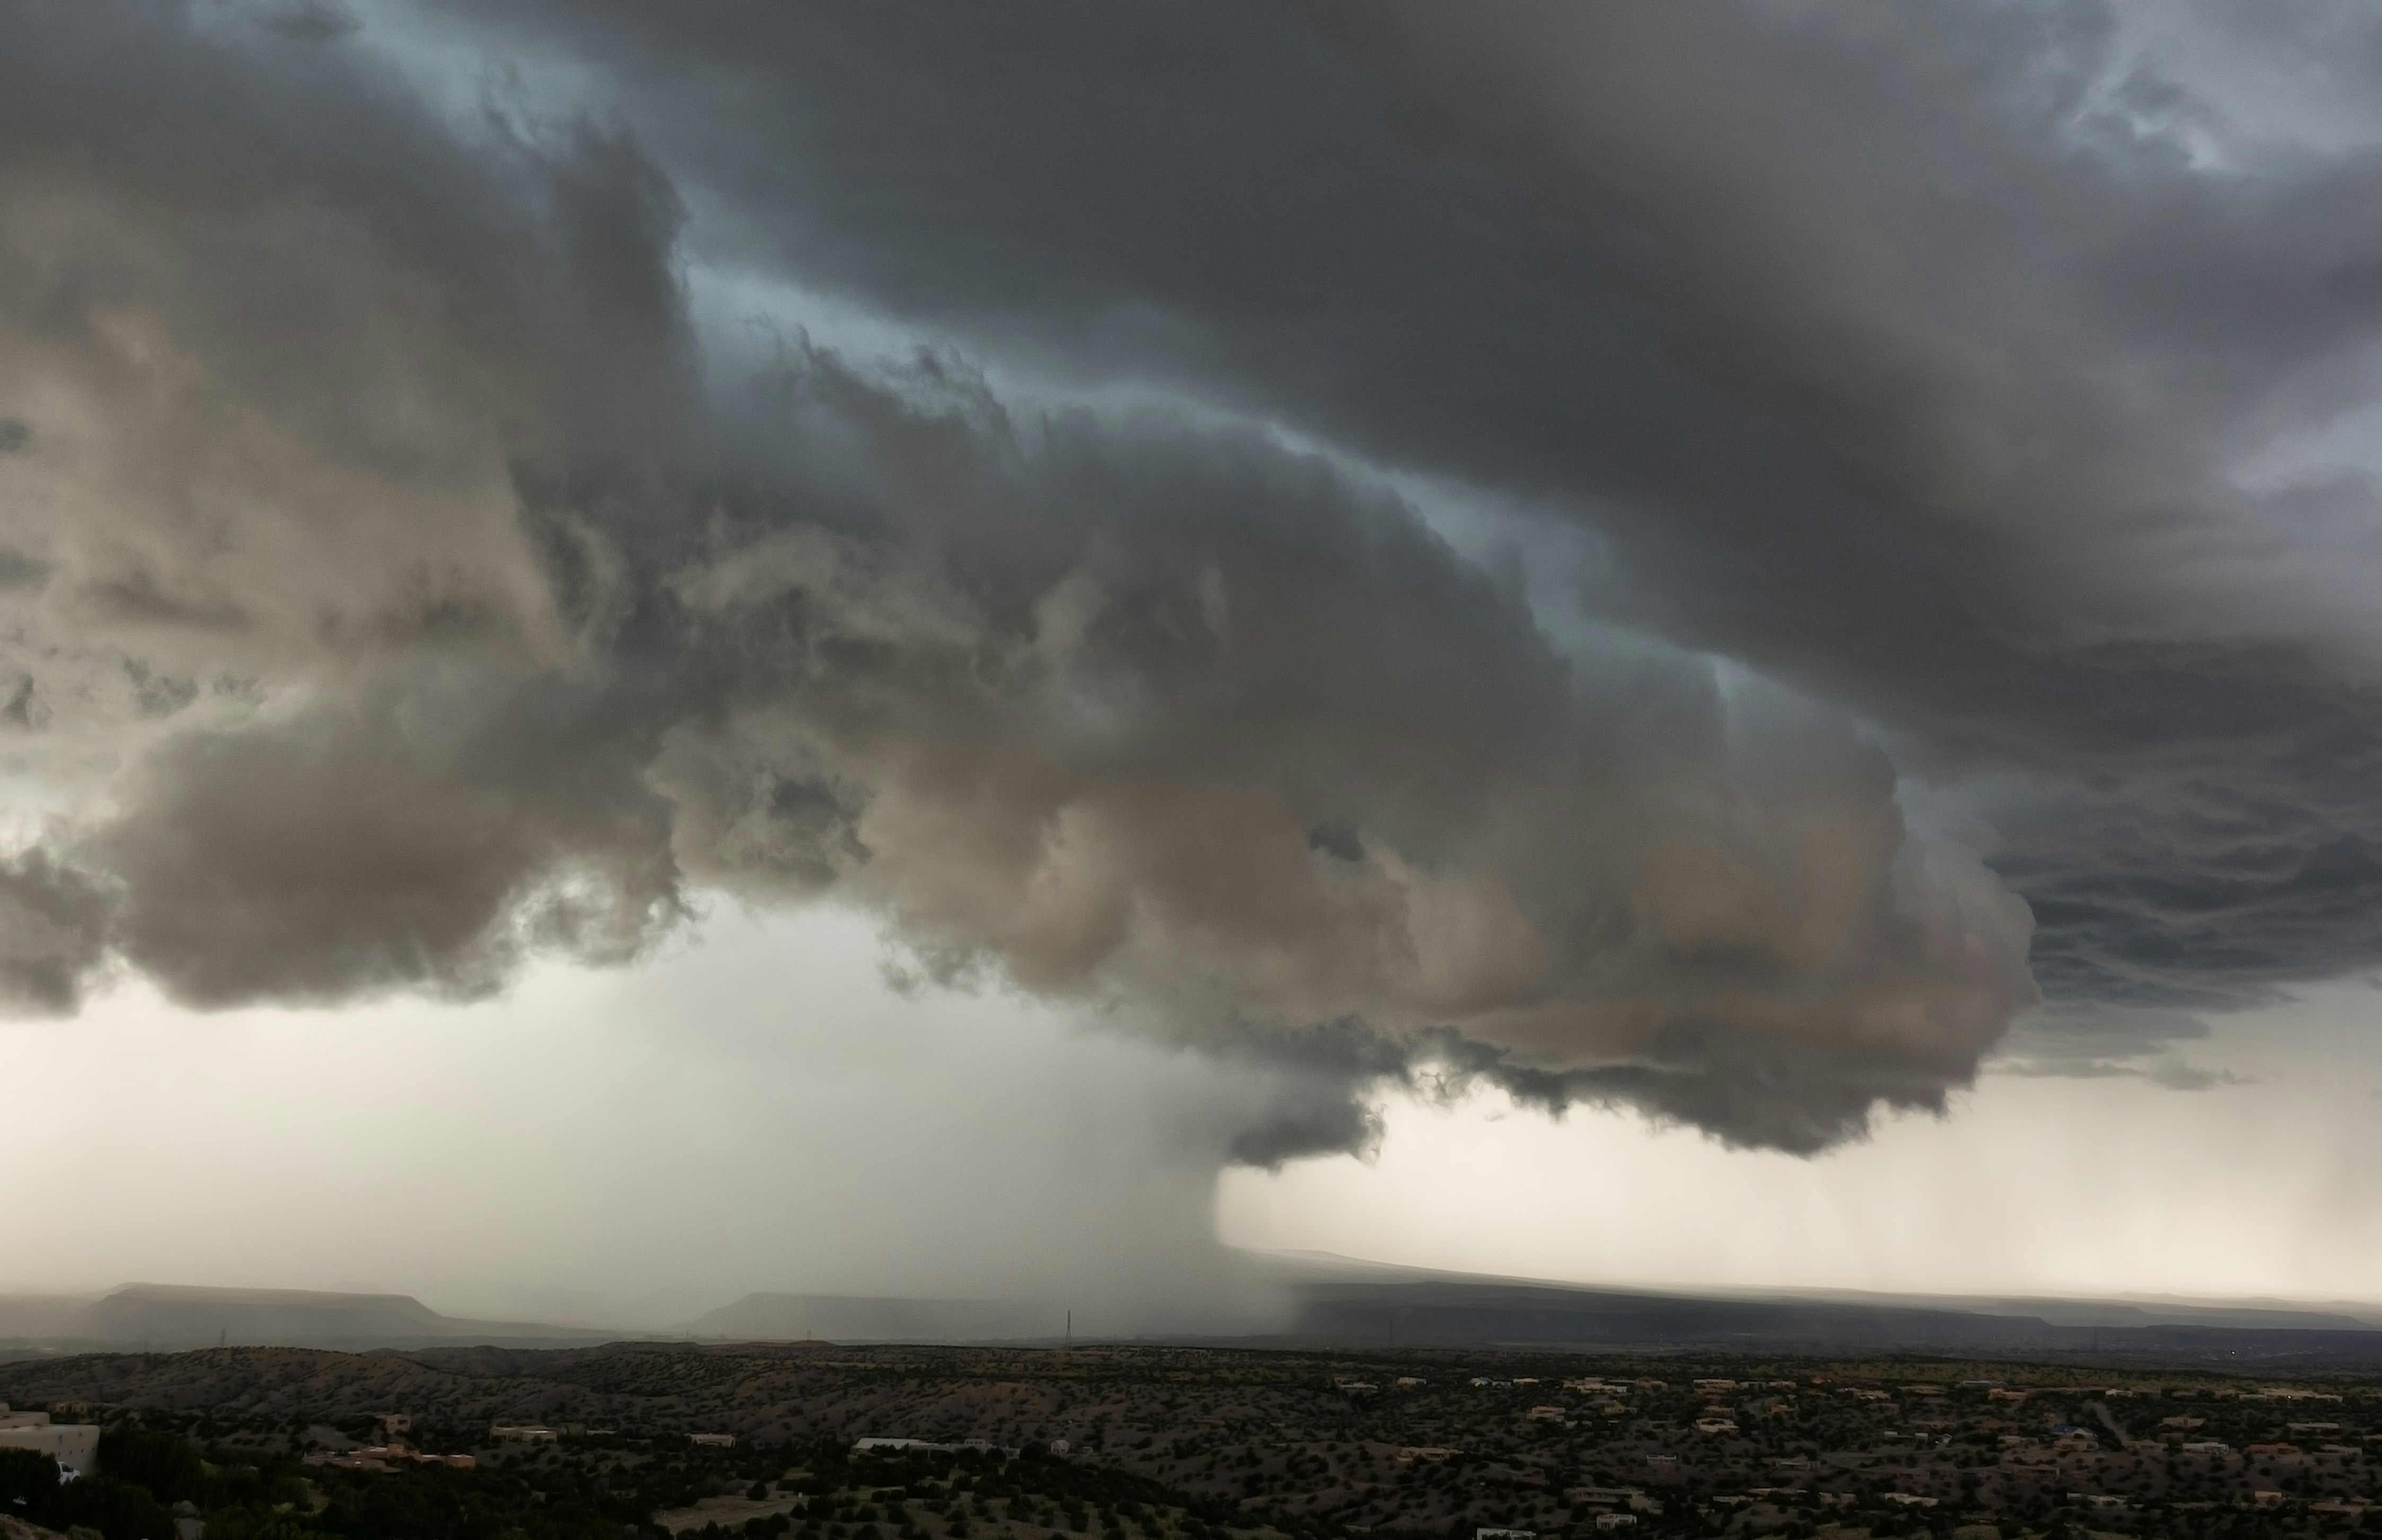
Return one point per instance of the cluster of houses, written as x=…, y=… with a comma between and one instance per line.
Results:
x=395, y=1451
x=386, y=1457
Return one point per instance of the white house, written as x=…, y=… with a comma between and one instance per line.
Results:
x=75, y=1445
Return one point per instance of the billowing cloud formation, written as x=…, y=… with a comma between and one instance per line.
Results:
x=53, y=933
x=2001, y=372
x=398, y=580
x=1182, y=723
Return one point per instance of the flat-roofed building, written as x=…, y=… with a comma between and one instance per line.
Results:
x=75, y=1445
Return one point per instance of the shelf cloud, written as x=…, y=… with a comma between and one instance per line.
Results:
x=1708, y=560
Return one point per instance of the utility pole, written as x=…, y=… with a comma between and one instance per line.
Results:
x=1070, y=1329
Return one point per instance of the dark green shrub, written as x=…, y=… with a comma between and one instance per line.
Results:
x=27, y=1481
x=118, y=1508
x=164, y=1462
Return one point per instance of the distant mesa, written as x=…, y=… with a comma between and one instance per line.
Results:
x=876, y=1318
x=171, y=1317
x=1342, y=1301
x=166, y=1317
x=1456, y=1312
x=188, y=1313
x=1328, y=1301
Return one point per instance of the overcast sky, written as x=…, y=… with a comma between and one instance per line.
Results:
x=649, y=650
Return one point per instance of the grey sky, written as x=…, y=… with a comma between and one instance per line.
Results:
x=1710, y=560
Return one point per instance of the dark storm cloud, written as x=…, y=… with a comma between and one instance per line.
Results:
x=455, y=607
x=442, y=596
x=414, y=836
x=1923, y=357
x=53, y=929
x=2089, y=1039
x=1068, y=698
